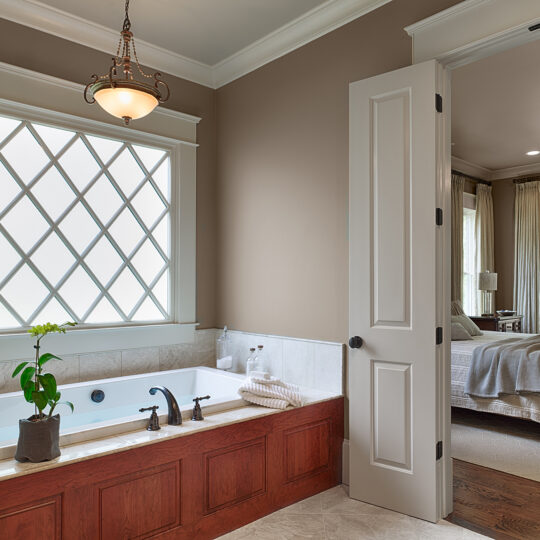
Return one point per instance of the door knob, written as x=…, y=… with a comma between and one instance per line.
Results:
x=356, y=342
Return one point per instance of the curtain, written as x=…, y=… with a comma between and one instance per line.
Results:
x=484, y=231
x=527, y=254
x=458, y=183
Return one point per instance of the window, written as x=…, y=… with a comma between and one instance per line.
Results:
x=85, y=228
x=470, y=280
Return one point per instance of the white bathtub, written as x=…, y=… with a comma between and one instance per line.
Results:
x=124, y=396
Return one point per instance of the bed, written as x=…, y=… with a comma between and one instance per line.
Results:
x=520, y=406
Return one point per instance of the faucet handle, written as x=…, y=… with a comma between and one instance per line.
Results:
x=197, y=399
x=197, y=413
x=153, y=421
x=152, y=408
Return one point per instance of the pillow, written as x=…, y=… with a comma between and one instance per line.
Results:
x=467, y=324
x=457, y=308
x=459, y=333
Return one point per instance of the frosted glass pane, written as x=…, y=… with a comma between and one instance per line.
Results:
x=161, y=290
x=149, y=156
x=104, y=199
x=79, y=164
x=7, y=320
x=148, y=205
x=104, y=312
x=126, y=172
x=25, y=292
x=25, y=155
x=126, y=291
x=105, y=148
x=53, y=259
x=103, y=260
x=8, y=187
x=53, y=193
x=7, y=125
x=161, y=234
x=53, y=312
x=126, y=231
x=79, y=291
x=54, y=138
x=148, y=262
x=148, y=312
x=162, y=179
x=79, y=228
x=8, y=257
x=25, y=224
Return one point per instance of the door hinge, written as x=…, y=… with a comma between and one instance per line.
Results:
x=438, y=103
x=438, y=216
x=438, y=335
x=438, y=450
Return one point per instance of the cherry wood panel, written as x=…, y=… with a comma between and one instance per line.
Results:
x=306, y=451
x=494, y=503
x=137, y=505
x=234, y=474
x=36, y=519
x=195, y=487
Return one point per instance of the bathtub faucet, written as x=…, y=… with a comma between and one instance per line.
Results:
x=175, y=416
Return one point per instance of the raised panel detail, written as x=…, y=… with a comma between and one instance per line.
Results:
x=38, y=519
x=390, y=209
x=140, y=504
x=306, y=450
x=391, y=414
x=234, y=474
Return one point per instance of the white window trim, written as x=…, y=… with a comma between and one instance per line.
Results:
x=17, y=345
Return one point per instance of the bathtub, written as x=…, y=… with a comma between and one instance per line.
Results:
x=119, y=410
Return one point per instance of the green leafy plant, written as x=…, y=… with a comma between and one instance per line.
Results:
x=40, y=388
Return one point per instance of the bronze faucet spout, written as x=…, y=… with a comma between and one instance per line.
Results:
x=175, y=416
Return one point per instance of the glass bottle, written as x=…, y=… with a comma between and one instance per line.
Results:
x=223, y=345
x=259, y=358
x=251, y=364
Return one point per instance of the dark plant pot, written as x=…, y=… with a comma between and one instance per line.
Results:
x=38, y=440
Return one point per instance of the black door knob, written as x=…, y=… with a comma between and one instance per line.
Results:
x=356, y=342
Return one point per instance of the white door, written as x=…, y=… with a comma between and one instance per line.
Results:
x=394, y=133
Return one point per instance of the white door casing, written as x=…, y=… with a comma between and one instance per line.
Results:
x=394, y=290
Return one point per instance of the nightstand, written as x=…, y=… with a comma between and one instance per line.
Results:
x=499, y=324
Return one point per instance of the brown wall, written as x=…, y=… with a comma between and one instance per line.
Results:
x=503, y=214
x=283, y=177
x=31, y=49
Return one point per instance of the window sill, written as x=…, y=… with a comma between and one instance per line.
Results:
x=80, y=341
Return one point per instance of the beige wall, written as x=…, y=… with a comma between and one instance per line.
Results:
x=283, y=177
x=48, y=54
x=503, y=214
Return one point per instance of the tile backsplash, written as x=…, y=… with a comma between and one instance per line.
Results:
x=308, y=363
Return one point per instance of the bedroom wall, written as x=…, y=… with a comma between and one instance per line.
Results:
x=282, y=139
x=38, y=51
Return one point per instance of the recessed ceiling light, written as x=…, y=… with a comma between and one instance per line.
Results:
x=533, y=153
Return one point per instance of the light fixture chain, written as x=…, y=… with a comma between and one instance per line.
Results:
x=137, y=62
x=127, y=22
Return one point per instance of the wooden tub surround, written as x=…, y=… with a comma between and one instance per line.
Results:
x=197, y=486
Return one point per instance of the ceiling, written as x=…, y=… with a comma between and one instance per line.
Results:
x=207, y=31
x=496, y=111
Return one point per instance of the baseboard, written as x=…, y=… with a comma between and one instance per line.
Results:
x=345, y=462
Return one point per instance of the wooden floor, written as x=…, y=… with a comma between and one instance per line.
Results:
x=494, y=503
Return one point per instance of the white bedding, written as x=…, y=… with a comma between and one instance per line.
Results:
x=512, y=405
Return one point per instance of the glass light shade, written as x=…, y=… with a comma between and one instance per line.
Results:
x=126, y=102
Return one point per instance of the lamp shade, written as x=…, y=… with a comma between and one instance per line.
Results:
x=487, y=281
x=126, y=102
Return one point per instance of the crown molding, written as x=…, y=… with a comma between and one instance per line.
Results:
x=515, y=172
x=70, y=85
x=315, y=23
x=67, y=26
x=472, y=169
x=308, y=27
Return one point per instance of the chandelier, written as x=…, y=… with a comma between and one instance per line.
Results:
x=118, y=92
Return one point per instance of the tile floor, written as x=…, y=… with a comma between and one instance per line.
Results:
x=331, y=515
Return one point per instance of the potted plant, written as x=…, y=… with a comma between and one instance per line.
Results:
x=39, y=434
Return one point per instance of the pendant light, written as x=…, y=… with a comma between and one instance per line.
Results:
x=118, y=92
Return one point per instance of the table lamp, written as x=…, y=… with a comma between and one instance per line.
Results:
x=487, y=283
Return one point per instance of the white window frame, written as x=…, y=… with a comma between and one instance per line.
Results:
x=16, y=344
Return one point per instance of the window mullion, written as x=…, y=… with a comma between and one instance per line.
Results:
x=13, y=134
x=12, y=311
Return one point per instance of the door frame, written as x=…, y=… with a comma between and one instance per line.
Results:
x=491, y=27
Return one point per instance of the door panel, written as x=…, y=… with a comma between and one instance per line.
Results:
x=393, y=290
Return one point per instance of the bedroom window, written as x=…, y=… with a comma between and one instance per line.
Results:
x=470, y=279
x=85, y=226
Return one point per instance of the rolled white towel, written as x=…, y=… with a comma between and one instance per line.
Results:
x=267, y=391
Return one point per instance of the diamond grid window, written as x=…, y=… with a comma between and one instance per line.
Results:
x=84, y=228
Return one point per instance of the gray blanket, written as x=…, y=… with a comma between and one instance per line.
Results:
x=511, y=366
